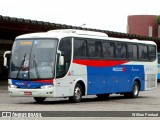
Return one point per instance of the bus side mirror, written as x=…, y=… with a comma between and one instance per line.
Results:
x=5, y=62
x=61, y=60
x=60, y=57
x=5, y=58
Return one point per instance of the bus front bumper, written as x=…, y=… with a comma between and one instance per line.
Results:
x=17, y=92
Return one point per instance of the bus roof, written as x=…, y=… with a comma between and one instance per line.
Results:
x=79, y=33
x=63, y=32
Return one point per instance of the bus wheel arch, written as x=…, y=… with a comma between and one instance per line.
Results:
x=138, y=81
x=79, y=91
x=135, y=89
x=83, y=86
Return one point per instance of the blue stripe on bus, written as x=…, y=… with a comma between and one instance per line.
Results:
x=116, y=79
x=24, y=84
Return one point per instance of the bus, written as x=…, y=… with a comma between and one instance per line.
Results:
x=74, y=63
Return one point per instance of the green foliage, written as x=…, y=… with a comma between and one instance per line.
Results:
x=158, y=19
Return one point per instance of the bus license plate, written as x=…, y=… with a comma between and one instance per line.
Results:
x=27, y=93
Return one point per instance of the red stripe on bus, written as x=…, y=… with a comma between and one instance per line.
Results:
x=44, y=81
x=100, y=63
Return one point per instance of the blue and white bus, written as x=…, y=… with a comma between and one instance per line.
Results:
x=75, y=63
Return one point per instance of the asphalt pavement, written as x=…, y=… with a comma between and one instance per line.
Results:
x=147, y=101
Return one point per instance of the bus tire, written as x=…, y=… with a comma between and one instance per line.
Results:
x=39, y=99
x=77, y=96
x=102, y=96
x=135, y=91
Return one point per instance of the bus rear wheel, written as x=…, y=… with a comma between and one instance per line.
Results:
x=135, y=91
x=77, y=96
x=39, y=99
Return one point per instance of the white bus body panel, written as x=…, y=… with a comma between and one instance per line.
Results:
x=65, y=86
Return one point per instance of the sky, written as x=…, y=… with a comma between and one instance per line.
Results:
x=100, y=14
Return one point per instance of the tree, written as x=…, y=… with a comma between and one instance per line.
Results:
x=158, y=19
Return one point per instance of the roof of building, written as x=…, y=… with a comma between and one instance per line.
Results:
x=11, y=27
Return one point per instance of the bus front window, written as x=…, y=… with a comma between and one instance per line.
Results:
x=33, y=59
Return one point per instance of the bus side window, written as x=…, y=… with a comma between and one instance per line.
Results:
x=152, y=53
x=132, y=51
x=120, y=50
x=108, y=50
x=94, y=49
x=80, y=48
x=65, y=47
x=158, y=57
x=143, y=52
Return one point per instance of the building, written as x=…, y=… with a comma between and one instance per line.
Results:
x=145, y=25
x=11, y=27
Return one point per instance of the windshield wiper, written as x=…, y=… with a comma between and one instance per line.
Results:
x=36, y=69
x=21, y=65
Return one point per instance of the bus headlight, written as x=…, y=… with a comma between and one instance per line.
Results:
x=12, y=86
x=46, y=86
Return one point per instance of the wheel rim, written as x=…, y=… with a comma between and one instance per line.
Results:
x=77, y=93
x=136, y=89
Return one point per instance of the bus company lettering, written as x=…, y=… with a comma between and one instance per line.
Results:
x=135, y=69
x=119, y=69
x=20, y=83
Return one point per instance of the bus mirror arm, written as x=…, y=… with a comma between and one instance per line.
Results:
x=61, y=58
x=5, y=58
x=5, y=62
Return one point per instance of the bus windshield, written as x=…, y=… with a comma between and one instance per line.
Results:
x=33, y=59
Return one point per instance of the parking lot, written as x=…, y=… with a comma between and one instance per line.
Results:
x=147, y=101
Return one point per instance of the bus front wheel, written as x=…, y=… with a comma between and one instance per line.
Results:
x=77, y=96
x=39, y=99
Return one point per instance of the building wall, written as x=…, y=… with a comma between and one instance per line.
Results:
x=145, y=25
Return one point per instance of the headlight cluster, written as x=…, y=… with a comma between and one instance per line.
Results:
x=12, y=86
x=46, y=86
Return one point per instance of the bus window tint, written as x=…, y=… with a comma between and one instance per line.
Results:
x=152, y=53
x=120, y=50
x=79, y=48
x=158, y=55
x=143, y=54
x=132, y=51
x=94, y=49
x=108, y=50
x=65, y=47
